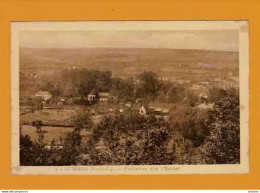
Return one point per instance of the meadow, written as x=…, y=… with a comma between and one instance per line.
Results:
x=51, y=117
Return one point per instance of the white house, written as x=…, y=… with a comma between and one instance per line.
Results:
x=44, y=95
x=61, y=101
x=91, y=97
x=128, y=104
x=155, y=109
x=143, y=110
x=104, y=96
x=229, y=82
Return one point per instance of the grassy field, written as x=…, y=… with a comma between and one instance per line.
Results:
x=49, y=117
x=50, y=132
x=58, y=123
x=63, y=117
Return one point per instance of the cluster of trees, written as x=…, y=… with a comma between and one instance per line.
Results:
x=77, y=82
x=119, y=141
x=174, y=93
x=35, y=104
x=192, y=123
x=81, y=82
x=28, y=85
x=35, y=153
x=221, y=132
x=223, y=144
x=191, y=136
x=123, y=89
x=112, y=142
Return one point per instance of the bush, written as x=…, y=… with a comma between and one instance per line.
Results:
x=125, y=142
x=223, y=144
x=192, y=123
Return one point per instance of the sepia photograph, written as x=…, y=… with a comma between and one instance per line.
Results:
x=130, y=97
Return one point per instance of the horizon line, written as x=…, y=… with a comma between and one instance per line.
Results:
x=127, y=48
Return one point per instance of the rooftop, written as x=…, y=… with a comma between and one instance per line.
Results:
x=43, y=93
x=206, y=106
x=104, y=94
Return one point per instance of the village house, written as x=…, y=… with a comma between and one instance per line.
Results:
x=145, y=110
x=158, y=109
x=206, y=105
x=167, y=77
x=200, y=90
x=229, y=82
x=32, y=76
x=45, y=95
x=61, y=102
x=128, y=104
x=104, y=96
x=139, y=101
x=70, y=101
x=205, y=83
x=180, y=81
x=91, y=97
x=195, y=87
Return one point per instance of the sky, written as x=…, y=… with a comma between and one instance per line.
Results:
x=226, y=40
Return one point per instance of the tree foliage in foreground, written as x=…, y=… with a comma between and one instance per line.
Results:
x=223, y=145
x=36, y=153
x=130, y=143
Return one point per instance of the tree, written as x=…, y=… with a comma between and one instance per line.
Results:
x=103, y=83
x=191, y=98
x=223, y=144
x=148, y=85
x=35, y=104
x=51, y=85
x=192, y=123
x=39, y=106
x=123, y=89
x=33, y=153
x=176, y=94
x=72, y=140
x=216, y=94
x=128, y=142
x=82, y=120
x=38, y=124
x=28, y=151
x=80, y=82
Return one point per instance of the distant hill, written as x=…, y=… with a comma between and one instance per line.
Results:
x=123, y=61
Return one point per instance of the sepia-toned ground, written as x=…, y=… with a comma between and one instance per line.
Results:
x=58, y=122
x=50, y=132
x=54, y=117
x=178, y=94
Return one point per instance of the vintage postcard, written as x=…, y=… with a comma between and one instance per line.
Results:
x=130, y=97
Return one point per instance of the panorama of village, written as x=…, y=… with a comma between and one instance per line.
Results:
x=128, y=107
